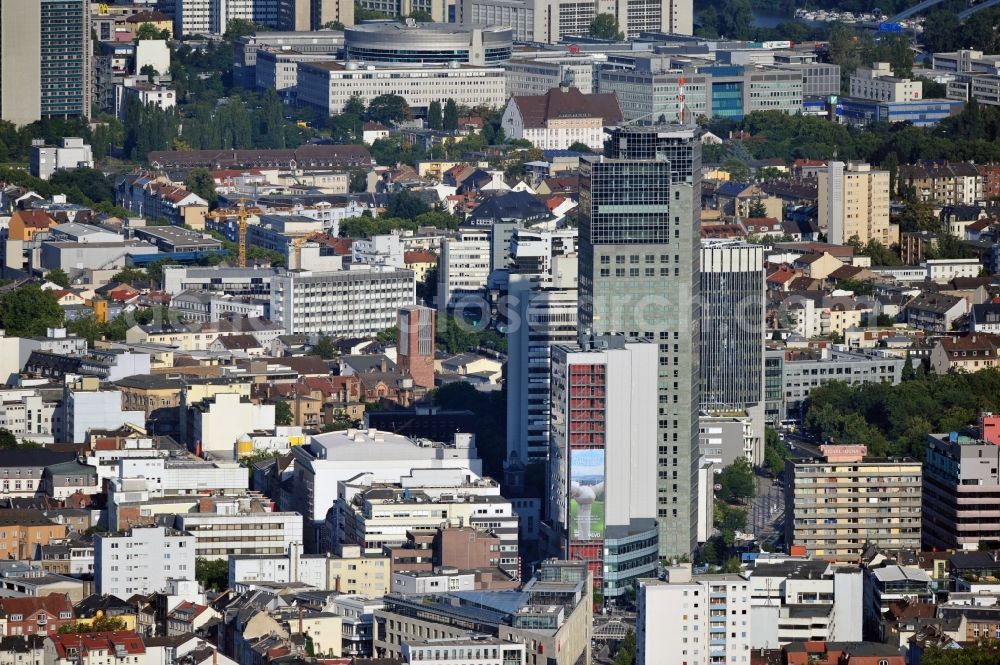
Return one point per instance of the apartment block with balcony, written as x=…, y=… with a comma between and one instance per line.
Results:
x=837, y=505
x=709, y=616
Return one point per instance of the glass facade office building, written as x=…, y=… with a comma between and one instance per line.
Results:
x=639, y=266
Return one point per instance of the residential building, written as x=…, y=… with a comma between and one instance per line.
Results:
x=602, y=492
x=893, y=584
x=123, y=647
x=561, y=117
x=24, y=531
x=876, y=501
x=144, y=94
x=968, y=352
x=854, y=203
x=961, y=486
x=943, y=182
x=65, y=58
x=651, y=252
x=549, y=21
x=328, y=86
x=711, y=614
x=415, y=344
x=339, y=456
x=943, y=271
x=306, y=15
x=542, y=316
x=87, y=406
x=732, y=335
x=142, y=560
x=28, y=414
x=985, y=318
x=795, y=599
x=71, y=153
x=37, y=616
x=239, y=526
x=934, y=312
x=350, y=572
x=347, y=303
x=463, y=268
x=217, y=423
x=833, y=653
x=879, y=83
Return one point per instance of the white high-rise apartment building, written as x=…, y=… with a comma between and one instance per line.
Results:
x=463, y=267
x=349, y=303
x=548, y=21
x=142, y=560
x=708, y=618
x=854, y=202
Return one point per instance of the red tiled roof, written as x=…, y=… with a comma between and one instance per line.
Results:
x=53, y=604
x=36, y=219
x=557, y=103
x=81, y=644
x=419, y=256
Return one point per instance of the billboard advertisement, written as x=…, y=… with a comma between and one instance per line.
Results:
x=586, y=494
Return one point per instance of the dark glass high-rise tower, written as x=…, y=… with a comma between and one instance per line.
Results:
x=639, y=276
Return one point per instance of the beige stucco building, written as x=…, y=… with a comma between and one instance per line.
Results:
x=854, y=202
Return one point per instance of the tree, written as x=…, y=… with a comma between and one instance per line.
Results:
x=576, y=146
x=333, y=25
x=406, y=206
x=738, y=171
x=737, y=481
x=626, y=653
x=130, y=275
x=757, y=209
x=605, y=26
x=7, y=440
x=450, y=119
x=148, y=31
x=324, y=348
x=736, y=19
x=941, y=31
x=775, y=452
x=99, y=624
x=58, y=276
x=212, y=573
x=238, y=27
x=435, y=120
x=283, y=415
x=149, y=71
x=28, y=310
x=986, y=652
x=201, y=182
x=388, y=109
x=359, y=180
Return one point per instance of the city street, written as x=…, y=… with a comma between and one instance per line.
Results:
x=766, y=513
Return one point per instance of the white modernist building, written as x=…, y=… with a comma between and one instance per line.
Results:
x=231, y=531
x=548, y=21
x=463, y=267
x=346, y=303
x=328, y=86
x=142, y=560
x=335, y=457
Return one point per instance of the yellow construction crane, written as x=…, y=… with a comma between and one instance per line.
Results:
x=243, y=233
x=243, y=214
